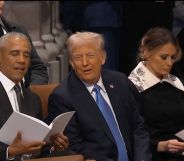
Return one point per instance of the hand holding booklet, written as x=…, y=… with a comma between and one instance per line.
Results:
x=32, y=129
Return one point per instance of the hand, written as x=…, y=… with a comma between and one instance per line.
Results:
x=19, y=146
x=172, y=146
x=59, y=142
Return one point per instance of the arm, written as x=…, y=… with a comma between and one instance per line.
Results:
x=37, y=73
x=3, y=148
x=57, y=105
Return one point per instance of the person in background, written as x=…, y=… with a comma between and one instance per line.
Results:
x=37, y=72
x=104, y=17
x=106, y=125
x=15, y=50
x=161, y=94
x=138, y=17
x=178, y=31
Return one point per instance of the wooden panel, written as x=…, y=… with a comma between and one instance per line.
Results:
x=61, y=158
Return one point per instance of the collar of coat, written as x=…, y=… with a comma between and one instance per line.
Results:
x=144, y=79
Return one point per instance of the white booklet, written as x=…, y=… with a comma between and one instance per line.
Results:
x=32, y=129
x=180, y=134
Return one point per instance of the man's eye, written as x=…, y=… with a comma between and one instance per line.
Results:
x=14, y=53
x=77, y=57
x=90, y=55
x=27, y=54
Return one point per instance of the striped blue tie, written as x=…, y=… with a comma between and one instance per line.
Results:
x=108, y=115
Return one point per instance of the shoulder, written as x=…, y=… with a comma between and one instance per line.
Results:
x=120, y=80
x=30, y=95
x=13, y=26
x=113, y=75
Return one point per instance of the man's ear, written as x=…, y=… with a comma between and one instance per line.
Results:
x=104, y=56
x=71, y=63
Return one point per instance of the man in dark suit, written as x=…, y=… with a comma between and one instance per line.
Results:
x=89, y=131
x=37, y=73
x=15, y=51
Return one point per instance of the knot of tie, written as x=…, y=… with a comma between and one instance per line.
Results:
x=96, y=88
x=17, y=88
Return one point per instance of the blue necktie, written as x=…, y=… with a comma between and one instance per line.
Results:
x=108, y=115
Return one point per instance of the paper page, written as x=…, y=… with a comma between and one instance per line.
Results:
x=59, y=123
x=32, y=129
x=180, y=134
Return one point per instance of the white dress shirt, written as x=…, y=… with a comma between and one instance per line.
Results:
x=8, y=86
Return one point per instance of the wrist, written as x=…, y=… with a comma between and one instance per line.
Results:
x=162, y=146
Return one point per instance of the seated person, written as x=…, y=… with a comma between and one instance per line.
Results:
x=106, y=125
x=162, y=94
x=15, y=56
x=37, y=72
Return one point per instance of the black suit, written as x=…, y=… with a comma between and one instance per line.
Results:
x=88, y=132
x=31, y=106
x=37, y=73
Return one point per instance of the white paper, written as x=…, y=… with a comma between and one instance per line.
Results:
x=32, y=129
x=180, y=134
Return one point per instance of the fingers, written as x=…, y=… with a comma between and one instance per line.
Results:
x=175, y=146
x=60, y=141
x=18, y=136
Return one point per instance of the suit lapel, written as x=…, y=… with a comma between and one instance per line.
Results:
x=118, y=104
x=8, y=25
x=90, y=104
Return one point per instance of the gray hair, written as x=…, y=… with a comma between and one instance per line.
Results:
x=8, y=35
x=82, y=38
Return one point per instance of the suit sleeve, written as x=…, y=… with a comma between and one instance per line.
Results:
x=3, y=149
x=58, y=105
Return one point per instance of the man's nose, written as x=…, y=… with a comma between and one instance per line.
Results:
x=84, y=60
x=21, y=58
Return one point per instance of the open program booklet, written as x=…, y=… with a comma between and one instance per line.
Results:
x=32, y=129
x=180, y=134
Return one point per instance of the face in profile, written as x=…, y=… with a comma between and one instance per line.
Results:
x=87, y=60
x=161, y=60
x=15, y=58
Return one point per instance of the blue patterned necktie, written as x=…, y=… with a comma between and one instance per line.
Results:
x=108, y=115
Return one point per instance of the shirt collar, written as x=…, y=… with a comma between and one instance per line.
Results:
x=91, y=86
x=144, y=79
x=6, y=82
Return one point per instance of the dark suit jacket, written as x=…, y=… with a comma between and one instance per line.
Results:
x=88, y=132
x=31, y=106
x=37, y=73
x=77, y=16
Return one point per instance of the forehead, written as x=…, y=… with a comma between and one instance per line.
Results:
x=165, y=49
x=16, y=42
